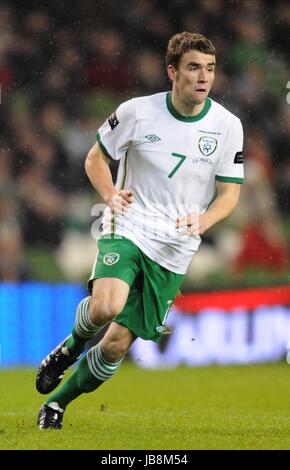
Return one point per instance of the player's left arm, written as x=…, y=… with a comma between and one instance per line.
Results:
x=226, y=200
x=229, y=177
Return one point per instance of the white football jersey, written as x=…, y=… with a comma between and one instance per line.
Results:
x=170, y=163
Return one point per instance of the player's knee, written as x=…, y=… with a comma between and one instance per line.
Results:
x=114, y=350
x=104, y=310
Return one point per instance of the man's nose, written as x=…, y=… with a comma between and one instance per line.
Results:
x=202, y=76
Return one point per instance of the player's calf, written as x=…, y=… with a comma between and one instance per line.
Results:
x=53, y=367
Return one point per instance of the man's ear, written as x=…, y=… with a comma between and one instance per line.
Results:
x=171, y=71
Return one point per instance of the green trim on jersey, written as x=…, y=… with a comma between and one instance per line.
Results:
x=103, y=148
x=180, y=117
x=105, y=152
x=229, y=179
x=113, y=224
x=125, y=173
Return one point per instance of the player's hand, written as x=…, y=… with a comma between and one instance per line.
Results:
x=121, y=201
x=192, y=224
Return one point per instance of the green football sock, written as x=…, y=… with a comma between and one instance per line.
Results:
x=75, y=344
x=92, y=371
x=81, y=381
x=83, y=330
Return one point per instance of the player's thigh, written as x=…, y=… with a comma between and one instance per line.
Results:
x=116, y=341
x=114, y=272
x=109, y=294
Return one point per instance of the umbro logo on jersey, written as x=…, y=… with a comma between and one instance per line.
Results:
x=207, y=145
x=160, y=329
x=163, y=330
x=152, y=137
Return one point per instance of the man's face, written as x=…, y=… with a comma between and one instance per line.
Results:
x=194, y=77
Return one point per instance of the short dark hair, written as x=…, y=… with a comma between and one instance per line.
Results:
x=184, y=42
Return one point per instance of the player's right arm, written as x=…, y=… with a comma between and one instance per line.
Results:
x=113, y=140
x=99, y=174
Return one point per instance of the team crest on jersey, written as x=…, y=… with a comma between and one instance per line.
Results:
x=111, y=258
x=207, y=145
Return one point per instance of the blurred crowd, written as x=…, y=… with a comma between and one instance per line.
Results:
x=64, y=66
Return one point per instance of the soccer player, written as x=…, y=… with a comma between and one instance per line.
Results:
x=181, y=167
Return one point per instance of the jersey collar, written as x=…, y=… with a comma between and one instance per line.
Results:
x=180, y=117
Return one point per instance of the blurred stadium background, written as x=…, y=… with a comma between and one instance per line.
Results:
x=64, y=67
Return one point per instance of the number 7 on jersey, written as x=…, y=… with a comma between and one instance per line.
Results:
x=182, y=158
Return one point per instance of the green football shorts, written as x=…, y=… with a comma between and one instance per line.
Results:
x=152, y=287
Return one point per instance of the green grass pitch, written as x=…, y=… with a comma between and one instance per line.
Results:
x=237, y=407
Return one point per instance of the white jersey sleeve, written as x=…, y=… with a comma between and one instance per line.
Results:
x=231, y=166
x=117, y=132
